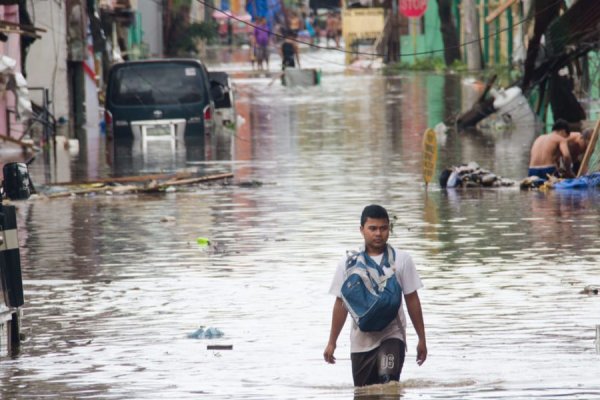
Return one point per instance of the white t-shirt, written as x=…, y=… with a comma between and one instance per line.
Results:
x=409, y=279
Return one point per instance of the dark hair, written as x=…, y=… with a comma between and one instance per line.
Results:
x=373, y=211
x=587, y=134
x=561, y=125
x=444, y=176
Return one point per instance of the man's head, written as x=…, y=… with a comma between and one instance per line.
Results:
x=375, y=228
x=561, y=127
x=373, y=211
x=587, y=135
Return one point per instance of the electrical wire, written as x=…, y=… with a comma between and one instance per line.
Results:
x=418, y=53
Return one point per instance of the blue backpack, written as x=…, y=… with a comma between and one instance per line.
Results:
x=371, y=297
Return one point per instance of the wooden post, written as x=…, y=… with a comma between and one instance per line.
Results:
x=497, y=35
x=509, y=22
x=486, y=34
x=471, y=35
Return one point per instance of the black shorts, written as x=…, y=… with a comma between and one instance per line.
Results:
x=380, y=365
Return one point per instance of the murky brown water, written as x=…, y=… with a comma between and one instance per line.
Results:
x=112, y=292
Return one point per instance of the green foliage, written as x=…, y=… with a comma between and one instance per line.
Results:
x=188, y=40
x=421, y=64
x=505, y=75
x=203, y=30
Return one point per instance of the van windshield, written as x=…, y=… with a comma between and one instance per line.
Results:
x=157, y=84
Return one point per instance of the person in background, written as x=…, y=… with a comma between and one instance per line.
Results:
x=332, y=29
x=308, y=25
x=378, y=356
x=549, y=150
x=252, y=42
x=229, y=31
x=316, y=23
x=290, y=57
x=295, y=23
x=261, y=39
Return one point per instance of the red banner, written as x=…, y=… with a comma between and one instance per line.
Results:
x=413, y=8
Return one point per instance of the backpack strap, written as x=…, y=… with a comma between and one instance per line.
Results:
x=351, y=258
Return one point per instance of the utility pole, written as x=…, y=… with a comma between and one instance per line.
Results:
x=472, y=38
x=394, y=39
x=448, y=30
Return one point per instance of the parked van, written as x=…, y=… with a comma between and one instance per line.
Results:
x=160, y=99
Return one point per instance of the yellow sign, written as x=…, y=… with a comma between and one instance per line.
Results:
x=361, y=23
x=429, y=155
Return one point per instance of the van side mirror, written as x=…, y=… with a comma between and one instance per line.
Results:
x=17, y=183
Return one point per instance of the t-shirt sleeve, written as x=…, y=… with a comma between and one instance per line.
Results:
x=408, y=276
x=338, y=279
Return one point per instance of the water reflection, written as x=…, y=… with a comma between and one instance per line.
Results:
x=112, y=292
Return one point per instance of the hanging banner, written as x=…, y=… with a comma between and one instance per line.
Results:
x=413, y=8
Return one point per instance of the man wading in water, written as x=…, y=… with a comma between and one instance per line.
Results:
x=378, y=356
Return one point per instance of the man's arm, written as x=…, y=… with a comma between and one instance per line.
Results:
x=566, y=158
x=337, y=323
x=413, y=306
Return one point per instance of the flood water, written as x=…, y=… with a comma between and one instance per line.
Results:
x=112, y=292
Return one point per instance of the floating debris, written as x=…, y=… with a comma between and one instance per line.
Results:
x=164, y=183
x=471, y=175
x=250, y=184
x=219, y=347
x=208, y=333
x=202, y=241
x=591, y=290
x=532, y=182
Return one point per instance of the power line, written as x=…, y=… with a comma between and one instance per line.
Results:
x=231, y=16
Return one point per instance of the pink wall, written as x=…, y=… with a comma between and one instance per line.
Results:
x=10, y=48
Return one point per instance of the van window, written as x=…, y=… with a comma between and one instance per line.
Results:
x=157, y=84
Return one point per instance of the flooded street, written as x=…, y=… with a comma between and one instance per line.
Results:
x=112, y=292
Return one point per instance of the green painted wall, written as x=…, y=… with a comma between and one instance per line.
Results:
x=134, y=40
x=430, y=41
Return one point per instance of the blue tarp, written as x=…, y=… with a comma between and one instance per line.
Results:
x=257, y=8
x=268, y=9
x=583, y=182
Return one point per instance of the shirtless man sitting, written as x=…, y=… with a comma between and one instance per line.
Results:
x=578, y=143
x=548, y=150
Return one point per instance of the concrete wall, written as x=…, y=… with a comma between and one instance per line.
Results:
x=152, y=27
x=46, y=63
x=10, y=48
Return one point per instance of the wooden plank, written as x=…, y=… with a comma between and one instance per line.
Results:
x=17, y=141
x=127, y=179
x=141, y=189
x=590, y=149
x=219, y=347
x=23, y=26
x=206, y=178
x=499, y=11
